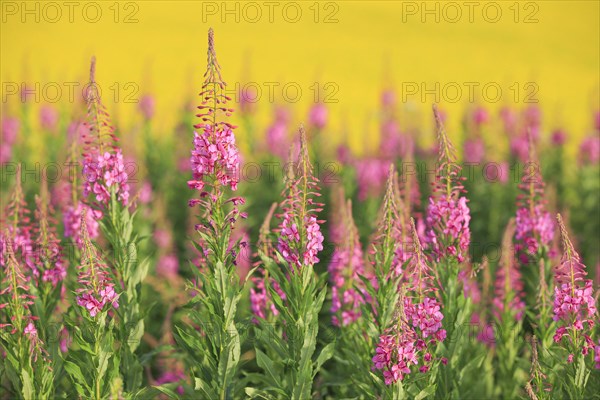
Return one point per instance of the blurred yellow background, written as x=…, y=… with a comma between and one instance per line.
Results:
x=359, y=46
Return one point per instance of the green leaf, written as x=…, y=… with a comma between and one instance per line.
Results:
x=429, y=390
x=28, y=389
x=203, y=387
x=266, y=364
x=77, y=376
x=167, y=391
x=326, y=354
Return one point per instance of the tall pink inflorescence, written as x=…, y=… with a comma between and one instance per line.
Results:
x=574, y=302
x=448, y=215
x=534, y=225
x=388, y=238
x=16, y=226
x=97, y=291
x=300, y=238
x=49, y=259
x=103, y=166
x=508, y=288
x=14, y=291
x=589, y=149
x=72, y=221
x=412, y=340
x=261, y=302
x=345, y=268
x=215, y=158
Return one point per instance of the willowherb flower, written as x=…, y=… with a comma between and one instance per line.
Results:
x=519, y=148
x=411, y=341
x=260, y=297
x=49, y=118
x=534, y=226
x=574, y=302
x=508, y=288
x=96, y=288
x=317, y=116
x=532, y=116
x=277, y=134
x=48, y=258
x=103, y=166
x=418, y=272
x=393, y=142
x=72, y=222
x=167, y=266
x=147, y=106
x=16, y=226
x=480, y=116
x=388, y=240
x=388, y=99
x=405, y=251
x=345, y=267
x=371, y=174
x=215, y=157
x=10, y=130
x=427, y=316
x=509, y=119
x=14, y=291
x=261, y=302
x=300, y=238
x=448, y=215
x=558, y=137
x=473, y=150
x=589, y=150
x=102, y=173
x=597, y=355
x=172, y=376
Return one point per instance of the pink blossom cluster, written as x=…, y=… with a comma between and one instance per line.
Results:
x=22, y=243
x=277, y=134
x=427, y=316
x=474, y=150
x=176, y=375
x=371, y=174
x=147, y=106
x=95, y=303
x=519, y=148
x=49, y=118
x=15, y=286
x=36, y=348
x=597, y=355
x=480, y=116
x=393, y=142
x=574, y=305
x=72, y=221
x=167, y=266
x=559, y=137
x=317, y=116
x=574, y=302
x=410, y=343
x=103, y=173
x=300, y=248
x=17, y=229
x=261, y=303
x=448, y=222
x=96, y=289
x=533, y=229
x=509, y=284
x=10, y=131
x=589, y=150
x=215, y=158
x=346, y=266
